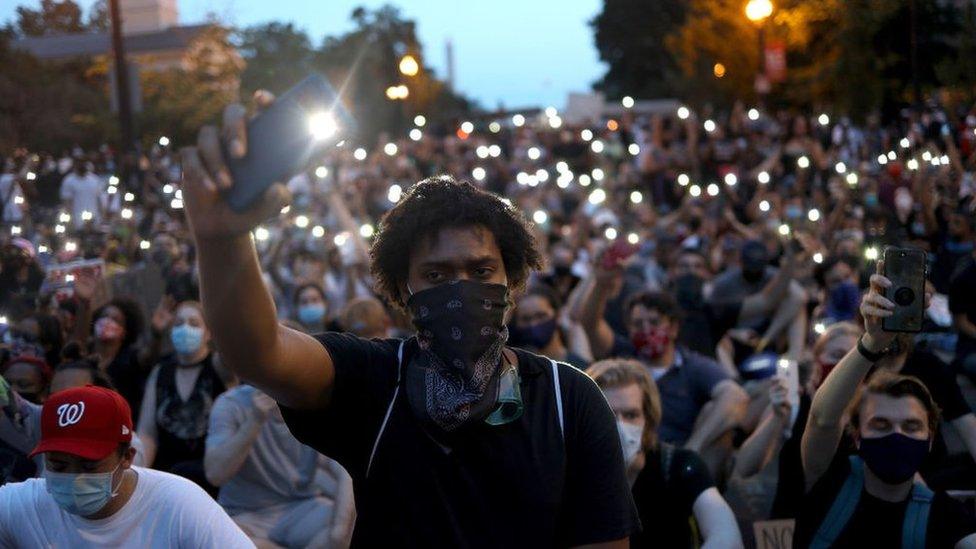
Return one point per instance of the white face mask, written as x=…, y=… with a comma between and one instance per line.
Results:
x=630, y=440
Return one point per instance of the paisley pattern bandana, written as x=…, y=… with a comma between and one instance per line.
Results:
x=454, y=379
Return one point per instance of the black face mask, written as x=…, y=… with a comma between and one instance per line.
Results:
x=562, y=271
x=461, y=331
x=893, y=458
x=752, y=276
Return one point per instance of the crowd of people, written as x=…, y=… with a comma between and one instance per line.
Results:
x=716, y=274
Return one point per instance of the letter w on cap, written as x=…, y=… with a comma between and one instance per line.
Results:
x=69, y=414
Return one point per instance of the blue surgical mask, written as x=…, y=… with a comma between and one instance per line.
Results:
x=81, y=494
x=186, y=339
x=312, y=313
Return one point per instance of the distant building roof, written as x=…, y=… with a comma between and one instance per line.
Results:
x=87, y=45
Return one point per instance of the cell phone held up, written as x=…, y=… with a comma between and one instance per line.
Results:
x=905, y=268
x=282, y=140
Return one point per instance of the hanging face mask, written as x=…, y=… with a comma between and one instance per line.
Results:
x=651, y=344
x=630, y=440
x=107, y=329
x=81, y=494
x=535, y=336
x=894, y=458
x=311, y=314
x=186, y=339
x=455, y=378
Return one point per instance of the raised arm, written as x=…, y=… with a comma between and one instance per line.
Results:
x=826, y=424
x=290, y=366
x=765, y=442
x=590, y=306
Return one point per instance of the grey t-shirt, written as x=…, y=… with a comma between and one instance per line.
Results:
x=278, y=469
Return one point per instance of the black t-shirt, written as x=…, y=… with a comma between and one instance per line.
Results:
x=665, y=505
x=520, y=484
x=962, y=300
x=878, y=523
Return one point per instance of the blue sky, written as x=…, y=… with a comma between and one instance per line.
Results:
x=517, y=52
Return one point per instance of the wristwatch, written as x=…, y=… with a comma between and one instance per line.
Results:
x=870, y=356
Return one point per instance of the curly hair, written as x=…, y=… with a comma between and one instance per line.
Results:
x=443, y=202
x=134, y=319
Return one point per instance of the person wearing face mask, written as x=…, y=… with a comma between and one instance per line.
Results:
x=872, y=498
x=29, y=376
x=782, y=423
x=838, y=276
x=20, y=419
x=535, y=326
x=115, y=332
x=940, y=470
x=672, y=487
x=179, y=395
x=451, y=437
x=92, y=495
x=310, y=307
x=702, y=401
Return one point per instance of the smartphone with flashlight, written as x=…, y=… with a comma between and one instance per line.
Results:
x=284, y=138
x=905, y=268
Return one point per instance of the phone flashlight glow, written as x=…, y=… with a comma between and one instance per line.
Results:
x=322, y=125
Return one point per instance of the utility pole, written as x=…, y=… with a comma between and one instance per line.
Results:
x=121, y=80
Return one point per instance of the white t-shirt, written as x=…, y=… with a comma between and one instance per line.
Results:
x=165, y=511
x=83, y=193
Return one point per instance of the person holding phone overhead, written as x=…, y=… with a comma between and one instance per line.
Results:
x=872, y=498
x=451, y=437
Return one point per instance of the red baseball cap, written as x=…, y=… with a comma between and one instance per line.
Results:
x=89, y=422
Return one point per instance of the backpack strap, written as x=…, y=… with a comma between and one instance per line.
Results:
x=917, y=517
x=667, y=457
x=389, y=409
x=557, y=388
x=842, y=509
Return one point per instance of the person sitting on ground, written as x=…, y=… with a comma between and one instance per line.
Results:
x=93, y=495
x=279, y=491
x=180, y=393
x=20, y=420
x=702, y=403
x=678, y=503
x=872, y=498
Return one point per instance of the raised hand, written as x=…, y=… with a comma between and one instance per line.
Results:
x=263, y=404
x=205, y=176
x=874, y=308
x=86, y=284
x=779, y=397
x=164, y=314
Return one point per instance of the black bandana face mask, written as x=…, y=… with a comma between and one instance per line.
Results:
x=454, y=379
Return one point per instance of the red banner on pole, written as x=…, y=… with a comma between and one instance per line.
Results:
x=775, y=53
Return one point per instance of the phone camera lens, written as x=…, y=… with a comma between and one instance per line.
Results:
x=904, y=296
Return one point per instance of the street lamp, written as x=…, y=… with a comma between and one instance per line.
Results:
x=758, y=11
x=409, y=65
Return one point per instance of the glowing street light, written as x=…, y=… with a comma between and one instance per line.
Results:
x=409, y=65
x=758, y=10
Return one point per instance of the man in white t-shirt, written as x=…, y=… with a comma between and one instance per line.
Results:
x=80, y=191
x=92, y=496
